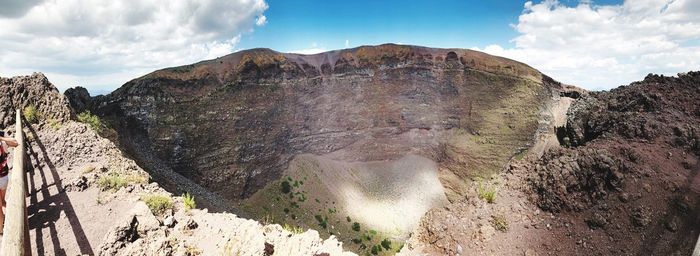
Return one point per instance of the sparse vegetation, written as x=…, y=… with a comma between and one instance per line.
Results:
x=115, y=181
x=191, y=250
x=285, y=187
x=55, y=124
x=112, y=181
x=31, y=114
x=376, y=249
x=487, y=193
x=267, y=220
x=322, y=221
x=229, y=249
x=499, y=222
x=386, y=243
x=293, y=229
x=157, y=203
x=189, y=202
x=356, y=226
x=92, y=120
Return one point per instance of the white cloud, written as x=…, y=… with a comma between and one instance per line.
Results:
x=347, y=43
x=261, y=20
x=604, y=46
x=313, y=49
x=309, y=51
x=97, y=43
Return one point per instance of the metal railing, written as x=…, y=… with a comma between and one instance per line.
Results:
x=15, y=239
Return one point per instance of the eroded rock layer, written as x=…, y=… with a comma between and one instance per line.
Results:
x=234, y=123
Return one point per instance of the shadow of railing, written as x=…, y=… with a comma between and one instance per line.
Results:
x=44, y=213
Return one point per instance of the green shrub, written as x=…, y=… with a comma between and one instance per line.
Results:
x=157, y=203
x=92, y=120
x=189, y=201
x=386, y=243
x=112, y=181
x=376, y=249
x=55, y=124
x=356, y=226
x=31, y=114
x=285, y=187
x=322, y=221
x=488, y=194
x=293, y=229
x=499, y=222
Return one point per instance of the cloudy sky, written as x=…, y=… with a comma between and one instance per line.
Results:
x=102, y=44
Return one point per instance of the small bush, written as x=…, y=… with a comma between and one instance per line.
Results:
x=192, y=250
x=356, y=226
x=293, y=229
x=112, y=181
x=285, y=187
x=157, y=203
x=31, y=114
x=488, y=194
x=55, y=124
x=376, y=249
x=386, y=243
x=499, y=222
x=92, y=120
x=322, y=221
x=189, y=201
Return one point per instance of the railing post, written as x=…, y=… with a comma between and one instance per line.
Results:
x=15, y=239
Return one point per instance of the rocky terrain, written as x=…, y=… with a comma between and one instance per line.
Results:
x=86, y=197
x=624, y=182
x=357, y=132
x=382, y=149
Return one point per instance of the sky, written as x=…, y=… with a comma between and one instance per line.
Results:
x=101, y=45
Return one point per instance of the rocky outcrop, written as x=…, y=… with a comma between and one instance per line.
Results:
x=576, y=179
x=79, y=99
x=201, y=233
x=22, y=91
x=656, y=107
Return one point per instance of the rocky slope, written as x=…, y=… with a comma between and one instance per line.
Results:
x=86, y=197
x=355, y=131
x=625, y=182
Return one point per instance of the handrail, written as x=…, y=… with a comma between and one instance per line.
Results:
x=15, y=240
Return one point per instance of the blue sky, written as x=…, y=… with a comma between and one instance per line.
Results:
x=308, y=24
x=295, y=25
x=101, y=45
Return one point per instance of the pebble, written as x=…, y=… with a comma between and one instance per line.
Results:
x=169, y=221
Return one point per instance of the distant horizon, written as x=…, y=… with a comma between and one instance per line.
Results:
x=592, y=44
x=104, y=91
